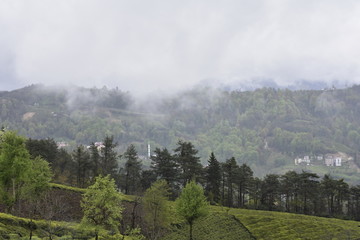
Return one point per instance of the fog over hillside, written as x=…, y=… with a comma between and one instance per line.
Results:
x=147, y=46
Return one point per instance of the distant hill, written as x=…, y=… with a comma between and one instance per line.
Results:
x=266, y=128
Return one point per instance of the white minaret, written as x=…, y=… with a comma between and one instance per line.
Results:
x=149, y=151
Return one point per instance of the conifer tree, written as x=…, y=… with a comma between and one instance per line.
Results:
x=189, y=163
x=230, y=172
x=94, y=160
x=132, y=171
x=82, y=165
x=108, y=157
x=243, y=181
x=165, y=167
x=213, y=178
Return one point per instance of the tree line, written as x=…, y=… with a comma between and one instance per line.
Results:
x=26, y=178
x=226, y=183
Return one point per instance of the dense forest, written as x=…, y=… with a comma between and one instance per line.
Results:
x=27, y=166
x=227, y=183
x=265, y=128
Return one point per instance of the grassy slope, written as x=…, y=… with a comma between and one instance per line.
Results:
x=277, y=225
x=231, y=224
x=214, y=226
x=221, y=223
x=12, y=227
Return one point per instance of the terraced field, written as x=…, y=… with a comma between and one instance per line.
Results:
x=276, y=225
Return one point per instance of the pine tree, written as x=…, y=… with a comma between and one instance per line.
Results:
x=270, y=191
x=94, y=160
x=230, y=171
x=81, y=160
x=189, y=163
x=165, y=167
x=213, y=179
x=243, y=181
x=132, y=174
x=108, y=157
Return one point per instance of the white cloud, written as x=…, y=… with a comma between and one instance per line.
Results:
x=148, y=45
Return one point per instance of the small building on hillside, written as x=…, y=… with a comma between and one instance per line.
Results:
x=333, y=160
x=302, y=161
x=61, y=144
x=98, y=145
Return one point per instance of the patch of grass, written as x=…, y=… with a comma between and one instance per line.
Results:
x=12, y=227
x=129, y=198
x=277, y=225
x=69, y=188
x=217, y=225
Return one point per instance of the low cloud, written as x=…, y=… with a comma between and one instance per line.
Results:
x=144, y=46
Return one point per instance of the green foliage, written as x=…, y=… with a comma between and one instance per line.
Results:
x=156, y=209
x=15, y=167
x=135, y=234
x=82, y=165
x=275, y=225
x=188, y=161
x=108, y=157
x=101, y=204
x=165, y=166
x=192, y=204
x=214, y=226
x=11, y=226
x=38, y=179
x=69, y=188
x=131, y=173
x=213, y=178
x=244, y=125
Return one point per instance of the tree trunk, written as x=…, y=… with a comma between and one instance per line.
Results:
x=96, y=234
x=191, y=229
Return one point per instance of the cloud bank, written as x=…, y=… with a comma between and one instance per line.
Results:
x=144, y=46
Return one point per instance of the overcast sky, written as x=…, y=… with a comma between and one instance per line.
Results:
x=149, y=44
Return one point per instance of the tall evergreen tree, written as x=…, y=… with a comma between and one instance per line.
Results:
x=165, y=167
x=45, y=148
x=230, y=172
x=328, y=187
x=132, y=171
x=108, y=157
x=289, y=188
x=270, y=190
x=343, y=192
x=213, y=179
x=94, y=160
x=243, y=181
x=354, y=203
x=82, y=169
x=308, y=189
x=189, y=163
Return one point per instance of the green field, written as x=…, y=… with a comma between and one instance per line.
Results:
x=277, y=225
x=231, y=224
x=221, y=223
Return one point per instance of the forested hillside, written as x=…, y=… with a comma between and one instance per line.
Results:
x=266, y=128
